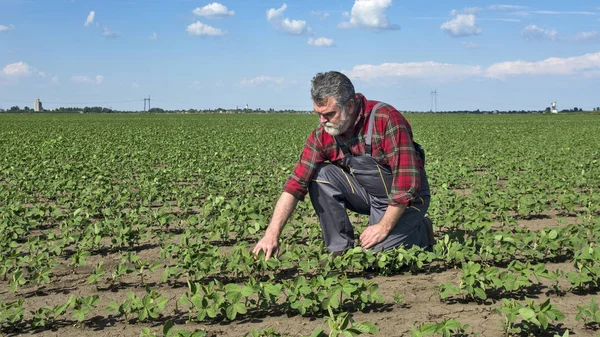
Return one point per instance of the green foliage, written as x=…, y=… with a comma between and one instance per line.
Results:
x=447, y=328
x=534, y=318
x=145, y=308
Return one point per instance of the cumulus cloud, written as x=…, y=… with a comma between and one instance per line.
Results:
x=90, y=19
x=293, y=27
x=551, y=66
x=4, y=28
x=214, y=9
x=587, y=65
x=461, y=25
x=320, y=42
x=199, y=29
x=370, y=14
x=87, y=80
x=17, y=69
x=260, y=80
x=533, y=32
x=153, y=37
x=413, y=70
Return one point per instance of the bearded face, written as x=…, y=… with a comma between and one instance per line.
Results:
x=336, y=129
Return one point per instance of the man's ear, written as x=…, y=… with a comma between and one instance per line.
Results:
x=351, y=105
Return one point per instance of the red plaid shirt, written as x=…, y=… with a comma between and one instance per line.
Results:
x=392, y=146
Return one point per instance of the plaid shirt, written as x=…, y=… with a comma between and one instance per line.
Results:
x=392, y=146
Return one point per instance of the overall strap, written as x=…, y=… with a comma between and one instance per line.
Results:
x=343, y=146
x=368, y=139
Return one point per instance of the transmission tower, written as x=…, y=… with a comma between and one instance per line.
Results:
x=433, y=95
x=147, y=99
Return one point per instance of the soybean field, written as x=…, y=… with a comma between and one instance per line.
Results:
x=143, y=225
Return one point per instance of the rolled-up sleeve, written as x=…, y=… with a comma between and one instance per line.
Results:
x=400, y=152
x=311, y=157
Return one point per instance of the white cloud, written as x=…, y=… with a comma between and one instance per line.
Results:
x=199, y=29
x=109, y=33
x=153, y=37
x=470, y=45
x=533, y=32
x=55, y=80
x=320, y=42
x=4, y=28
x=259, y=80
x=552, y=66
x=87, y=80
x=90, y=19
x=321, y=14
x=17, y=69
x=587, y=65
x=499, y=19
x=429, y=69
x=369, y=14
x=214, y=9
x=583, y=36
x=461, y=25
x=564, y=13
x=294, y=27
x=505, y=7
x=466, y=10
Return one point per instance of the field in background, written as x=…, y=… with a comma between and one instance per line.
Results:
x=116, y=225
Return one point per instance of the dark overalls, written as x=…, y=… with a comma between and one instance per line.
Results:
x=362, y=184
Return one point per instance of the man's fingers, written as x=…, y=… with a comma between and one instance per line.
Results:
x=268, y=253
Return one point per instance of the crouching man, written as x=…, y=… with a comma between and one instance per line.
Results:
x=361, y=157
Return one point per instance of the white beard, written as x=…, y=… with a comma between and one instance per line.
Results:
x=339, y=128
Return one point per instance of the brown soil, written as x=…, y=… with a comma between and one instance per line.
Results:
x=421, y=304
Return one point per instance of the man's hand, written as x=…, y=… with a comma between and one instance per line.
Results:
x=373, y=235
x=268, y=244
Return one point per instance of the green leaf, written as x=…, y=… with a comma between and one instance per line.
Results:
x=366, y=327
x=526, y=313
x=167, y=328
x=480, y=293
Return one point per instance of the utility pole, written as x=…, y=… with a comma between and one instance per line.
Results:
x=147, y=99
x=433, y=95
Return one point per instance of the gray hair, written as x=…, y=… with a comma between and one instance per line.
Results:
x=331, y=84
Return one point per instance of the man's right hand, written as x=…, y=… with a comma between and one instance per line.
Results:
x=268, y=244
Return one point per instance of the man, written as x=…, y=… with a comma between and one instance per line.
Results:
x=348, y=164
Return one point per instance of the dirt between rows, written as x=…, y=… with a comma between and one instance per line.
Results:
x=421, y=304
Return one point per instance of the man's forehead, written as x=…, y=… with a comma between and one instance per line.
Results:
x=330, y=105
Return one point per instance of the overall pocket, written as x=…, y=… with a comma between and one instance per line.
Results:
x=374, y=177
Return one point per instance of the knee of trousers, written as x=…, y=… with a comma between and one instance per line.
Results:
x=324, y=174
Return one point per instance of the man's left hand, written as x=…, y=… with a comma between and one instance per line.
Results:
x=373, y=235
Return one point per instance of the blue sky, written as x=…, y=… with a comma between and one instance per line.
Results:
x=203, y=54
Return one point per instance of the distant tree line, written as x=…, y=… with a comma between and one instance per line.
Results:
x=97, y=109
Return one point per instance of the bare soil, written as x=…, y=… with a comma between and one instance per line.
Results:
x=421, y=301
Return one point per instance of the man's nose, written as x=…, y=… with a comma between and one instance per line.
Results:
x=322, y=119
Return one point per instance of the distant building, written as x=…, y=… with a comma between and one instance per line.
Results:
x=37, y=106
x=553, y=109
